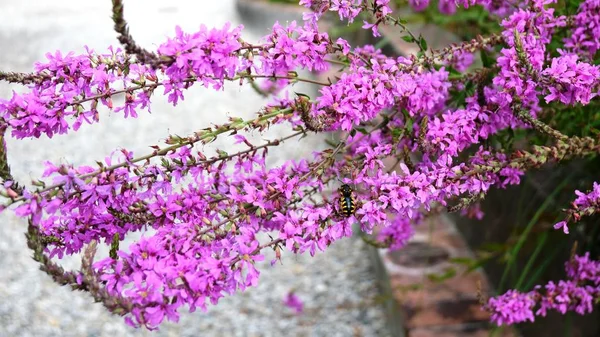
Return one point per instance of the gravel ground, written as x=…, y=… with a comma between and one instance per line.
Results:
x=337, y=287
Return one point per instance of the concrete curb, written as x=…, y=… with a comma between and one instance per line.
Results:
x=394, y=315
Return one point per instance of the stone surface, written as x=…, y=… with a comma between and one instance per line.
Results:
x=463, y=330
x=337, y=287
x=432, y=308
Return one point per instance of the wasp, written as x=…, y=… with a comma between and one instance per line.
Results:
x=347, y=201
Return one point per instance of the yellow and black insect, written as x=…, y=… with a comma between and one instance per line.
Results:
x=347, y=201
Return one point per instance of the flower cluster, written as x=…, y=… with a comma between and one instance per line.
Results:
x=571, y=81
x=364, y=92
x=512, y=307
x=585, y=36
x=76, y=86
x=347, y=9
x=578, y=294
x=586, y=204
x=205, y=214
x=209, y=56
x=292, y=47
x=461, y=60
x=73, y=86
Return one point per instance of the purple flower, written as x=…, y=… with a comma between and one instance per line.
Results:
x=563, y=225
x=72, y=88
x=571, y=81
x=292, y=301
x=397, y=233
x=512, y=307
x=578, y=294
x=206, y=216
x=419, y=5
x=585, y=36
x=585, y=204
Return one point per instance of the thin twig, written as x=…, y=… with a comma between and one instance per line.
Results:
x=131, y=47
x=21, y=78
x=199, y=136
x=339, y=147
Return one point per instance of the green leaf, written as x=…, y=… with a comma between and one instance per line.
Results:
x=532, y=280
x=422, y=43
x=531, y=260
x=408, y=38
x=301, y=94
x=478, y=263
x=409, y=125
x=362, y=130
x=222, y=154
x=493, y=247
x=486, y=59
x=447, y=274
x=513, y=254
x=397, y=134
x=467, y=261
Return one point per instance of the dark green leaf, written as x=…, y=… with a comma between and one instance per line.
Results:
x=408, y=38
x=422, y=43
x=486, y=59
x=362, y=130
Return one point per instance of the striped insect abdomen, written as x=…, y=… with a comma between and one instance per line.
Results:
x=347, y=202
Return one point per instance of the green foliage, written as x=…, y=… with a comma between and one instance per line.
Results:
x=466, y=23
